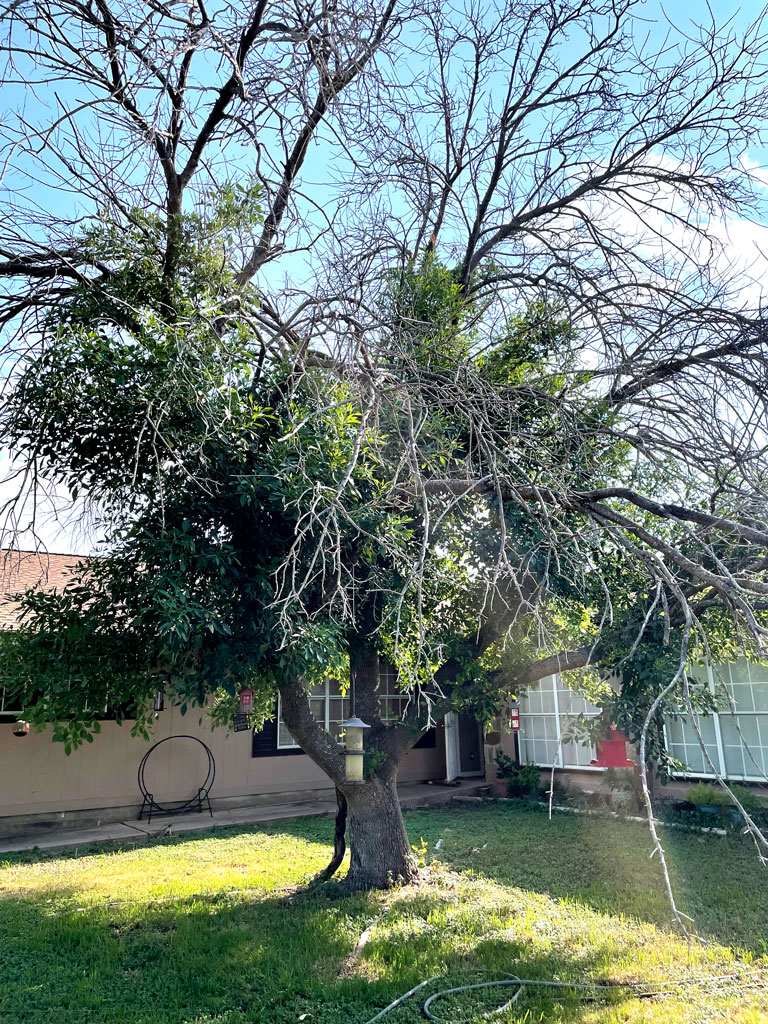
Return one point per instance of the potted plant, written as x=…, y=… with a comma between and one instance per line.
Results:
x=513, y=779
x=708, y=799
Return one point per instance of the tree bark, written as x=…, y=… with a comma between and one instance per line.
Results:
x=339, y=837
x=380, y=854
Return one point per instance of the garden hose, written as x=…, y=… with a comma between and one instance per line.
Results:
x=521, y=983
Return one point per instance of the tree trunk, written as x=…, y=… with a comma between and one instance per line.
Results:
x=379, y=850
x=339, y=836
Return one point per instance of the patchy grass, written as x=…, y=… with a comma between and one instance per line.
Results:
x=221, y=928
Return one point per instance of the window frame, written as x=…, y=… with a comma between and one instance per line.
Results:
x=560, y=717
x=326, y=697
x=761, y=720
x=7, y=713
x=266, y=742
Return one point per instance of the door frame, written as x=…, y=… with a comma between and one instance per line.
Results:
x=453, y=752
x=451, y=729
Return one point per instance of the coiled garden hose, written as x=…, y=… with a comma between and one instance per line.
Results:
x=521, y=983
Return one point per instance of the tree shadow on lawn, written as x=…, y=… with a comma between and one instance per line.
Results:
x=606, y=865
x=213, y=958
x=601, y=863
x=74, y=953
x=232, y=960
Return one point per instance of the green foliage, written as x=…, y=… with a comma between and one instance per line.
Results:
x=522, y=779
x=702, y=793
x=420, y=850
x=428, y=313
x=373, y=762
x=227, y=484
x=506, y=766
x=748, y=798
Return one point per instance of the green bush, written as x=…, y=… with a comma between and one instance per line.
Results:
x=506, y=767
x=702, y=793
x=748, y=799
x=522, y=779
x=706, y=794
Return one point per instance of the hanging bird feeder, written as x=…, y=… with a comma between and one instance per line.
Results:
x=246, y=701
x=353, y=762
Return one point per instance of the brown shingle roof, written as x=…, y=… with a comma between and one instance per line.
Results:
x=22, y=570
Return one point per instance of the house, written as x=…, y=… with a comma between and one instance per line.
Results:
x=40, y=785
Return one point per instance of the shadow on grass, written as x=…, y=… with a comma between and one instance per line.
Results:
x=218, y=958
x=607, y=866
x=603, y=864
x=232, y=960
x=265, y=956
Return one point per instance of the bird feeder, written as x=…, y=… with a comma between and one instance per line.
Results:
x=159, y=701
x=353, y=762
x=21, y=729
x=246, y=701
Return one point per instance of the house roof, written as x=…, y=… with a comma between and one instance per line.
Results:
x=24, y=570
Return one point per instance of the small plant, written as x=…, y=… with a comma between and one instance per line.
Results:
x=506, y=767
x=521, y=779
x=374, y=761
x=703, y=794
x=420, y=851
x=748, y=799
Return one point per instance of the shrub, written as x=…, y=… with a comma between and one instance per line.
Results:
x=702, y=793
x=522, y=779
x=506, y=767
x=748, y=799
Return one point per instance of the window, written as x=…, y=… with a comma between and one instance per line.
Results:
x=328, y=707
x=8, y=710
x=547, y=715
x=736, y=739
x=395, y=703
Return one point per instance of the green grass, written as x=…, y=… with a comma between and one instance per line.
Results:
x=221, y=928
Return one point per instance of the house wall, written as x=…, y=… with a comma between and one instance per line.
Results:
x=38, y=778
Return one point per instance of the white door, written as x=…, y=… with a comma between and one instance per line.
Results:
x=451, y=722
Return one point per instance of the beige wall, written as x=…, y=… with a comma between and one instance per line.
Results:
x=37, y=777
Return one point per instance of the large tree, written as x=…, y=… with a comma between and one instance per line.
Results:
x=376, y=334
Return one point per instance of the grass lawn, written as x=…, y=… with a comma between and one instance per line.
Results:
x=219, y=928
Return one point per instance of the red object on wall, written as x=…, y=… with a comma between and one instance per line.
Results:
x=514, y=719
x=612, y=753
x=246, y=700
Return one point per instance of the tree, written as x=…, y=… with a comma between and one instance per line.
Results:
x=482, y=403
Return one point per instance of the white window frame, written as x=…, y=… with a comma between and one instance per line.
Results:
x=715, y=716
x=7, y=712
x=554, y=683
x=400, y=698
x=327, y=697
